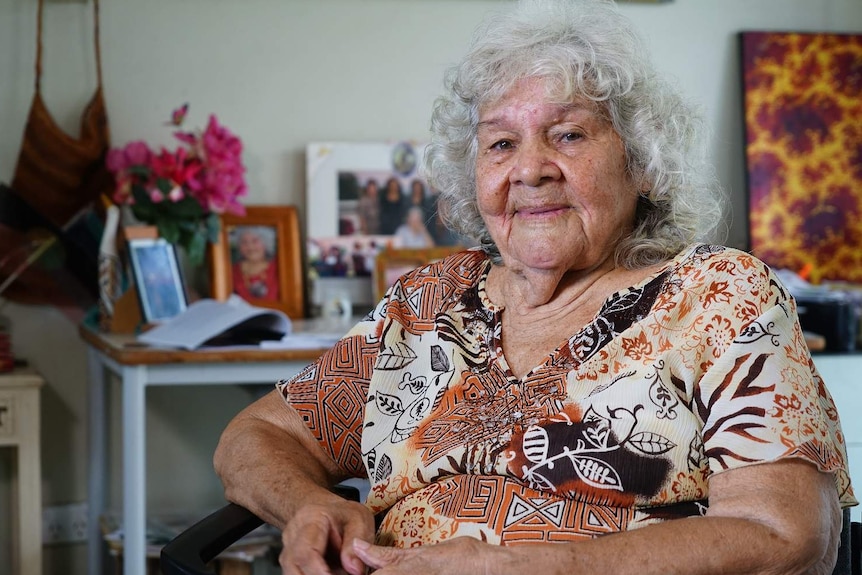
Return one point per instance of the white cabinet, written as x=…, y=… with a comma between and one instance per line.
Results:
x=843, y=377
x=19, y=428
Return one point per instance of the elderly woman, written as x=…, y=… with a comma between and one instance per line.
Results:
x=590, y=370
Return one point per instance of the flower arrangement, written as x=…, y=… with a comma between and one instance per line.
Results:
x=182, y=192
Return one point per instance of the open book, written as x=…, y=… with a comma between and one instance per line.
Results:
x=211, y=322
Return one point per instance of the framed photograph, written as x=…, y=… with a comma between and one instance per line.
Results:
x=157, y=279
x=803, y=150
x=259, y=258
x=391, y=264
x=363, y=197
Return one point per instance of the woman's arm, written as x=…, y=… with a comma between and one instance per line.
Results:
x=270, y=463
x=772, y=518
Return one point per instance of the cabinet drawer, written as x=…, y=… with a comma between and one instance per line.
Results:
x=7, y=416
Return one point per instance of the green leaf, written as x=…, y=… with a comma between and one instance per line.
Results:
x=169, y=230
x=213, y=225
x=187, y=208
x=196, y=248
x=145, y=213
x=164, y=186
x=139, y=170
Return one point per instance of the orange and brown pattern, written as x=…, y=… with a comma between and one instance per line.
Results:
x=698, y=369
x=803, y=118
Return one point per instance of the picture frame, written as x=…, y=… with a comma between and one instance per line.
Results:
x=157, y=278
x=349, y=220
x=392, y=263
x=259, y=257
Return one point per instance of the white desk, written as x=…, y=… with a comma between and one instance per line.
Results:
x=19, y=427
x=139, y=367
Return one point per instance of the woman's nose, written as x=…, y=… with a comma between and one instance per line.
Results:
x=534, y=163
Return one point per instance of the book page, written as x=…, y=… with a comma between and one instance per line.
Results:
x=207, y=318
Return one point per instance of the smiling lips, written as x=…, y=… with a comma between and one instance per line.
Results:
x=542, y=210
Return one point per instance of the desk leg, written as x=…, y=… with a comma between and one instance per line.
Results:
x=98, y=455
x=134, y=470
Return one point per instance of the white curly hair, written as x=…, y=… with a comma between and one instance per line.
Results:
x=584, y=49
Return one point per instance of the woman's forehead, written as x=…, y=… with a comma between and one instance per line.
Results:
x=539, y=90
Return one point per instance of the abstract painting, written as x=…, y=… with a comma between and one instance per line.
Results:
x=803, y=148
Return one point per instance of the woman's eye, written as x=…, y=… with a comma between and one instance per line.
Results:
x=572, y=136
x=502, y=145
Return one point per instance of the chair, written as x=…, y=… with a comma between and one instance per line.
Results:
x=192, y=549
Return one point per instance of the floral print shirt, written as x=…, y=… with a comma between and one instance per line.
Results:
x=700, y=368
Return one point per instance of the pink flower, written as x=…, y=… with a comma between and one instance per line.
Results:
x=176, y=194
x=135, y=153
x=206, y=166
x=221, y=183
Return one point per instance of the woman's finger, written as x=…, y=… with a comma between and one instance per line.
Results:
x=358, y=527
x=374, y=555
x=305, y=548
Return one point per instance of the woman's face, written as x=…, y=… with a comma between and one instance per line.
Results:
x=393, y=194
x=251, y=246
x=552, y=184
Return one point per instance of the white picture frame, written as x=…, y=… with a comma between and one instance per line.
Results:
x=157, y=278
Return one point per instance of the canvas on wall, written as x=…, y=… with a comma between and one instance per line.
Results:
x=803, y=149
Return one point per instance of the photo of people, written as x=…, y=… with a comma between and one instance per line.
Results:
x=346, y=256
x=386, y=204
x=254, y=266
x=364, y=197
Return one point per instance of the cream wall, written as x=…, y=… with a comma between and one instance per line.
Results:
x=281, y=73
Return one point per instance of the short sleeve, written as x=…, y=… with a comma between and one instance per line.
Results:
x=762, y=400
x=330, y=395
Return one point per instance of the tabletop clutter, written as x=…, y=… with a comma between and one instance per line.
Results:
x=830, y=312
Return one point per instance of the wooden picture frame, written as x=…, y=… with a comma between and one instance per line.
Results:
x=157, y=278
x=236, y=268
x=392, y=263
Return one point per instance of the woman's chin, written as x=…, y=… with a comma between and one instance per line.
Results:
x=547, y=255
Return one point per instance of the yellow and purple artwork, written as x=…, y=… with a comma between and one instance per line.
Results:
x=803, y=143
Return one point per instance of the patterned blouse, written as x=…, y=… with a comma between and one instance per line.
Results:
x=700, y=368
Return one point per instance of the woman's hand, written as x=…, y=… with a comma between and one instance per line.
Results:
x=314, y=540
x=459, y=555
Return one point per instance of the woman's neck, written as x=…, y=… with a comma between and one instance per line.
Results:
x=525, y=289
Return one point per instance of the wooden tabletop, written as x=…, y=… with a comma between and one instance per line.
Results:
x=126, y=350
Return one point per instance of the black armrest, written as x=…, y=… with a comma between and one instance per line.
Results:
x=190, y=551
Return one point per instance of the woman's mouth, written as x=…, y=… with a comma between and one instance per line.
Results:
x=542, y=211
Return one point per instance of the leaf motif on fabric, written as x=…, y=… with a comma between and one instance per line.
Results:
x=665, y=400
x=536, y=444
x=596, y=428
x=696, y=454
x=418, y=408
x=384, y=469
x=416, y=384
x=439, y=361
x=396, y=357
x=389, y=404
x=651, y=443
x=371, y=459
x=596, y=472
